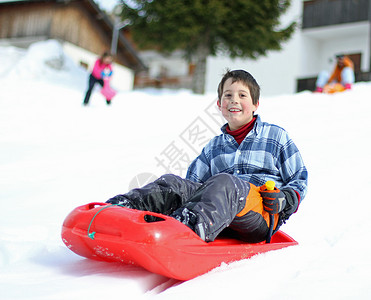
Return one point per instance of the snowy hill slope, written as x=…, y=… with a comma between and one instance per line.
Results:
x=56, y=154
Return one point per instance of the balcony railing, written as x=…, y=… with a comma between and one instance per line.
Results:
x=332, y=12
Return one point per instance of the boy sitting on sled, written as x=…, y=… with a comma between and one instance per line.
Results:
x=225, y=184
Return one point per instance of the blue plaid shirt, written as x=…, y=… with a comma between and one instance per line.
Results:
x=266, y=153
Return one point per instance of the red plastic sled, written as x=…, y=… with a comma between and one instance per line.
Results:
x=153, y=241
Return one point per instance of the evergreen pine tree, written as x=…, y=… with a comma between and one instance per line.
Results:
x=240, y=28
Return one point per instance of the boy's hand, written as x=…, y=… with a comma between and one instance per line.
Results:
x=274, y=201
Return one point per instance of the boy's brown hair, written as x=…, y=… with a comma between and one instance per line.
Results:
x=244, y=77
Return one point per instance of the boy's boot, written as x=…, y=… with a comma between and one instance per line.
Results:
x=120, y=200
x=190, y=219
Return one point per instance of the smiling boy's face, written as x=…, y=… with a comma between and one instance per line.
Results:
x=236, y=104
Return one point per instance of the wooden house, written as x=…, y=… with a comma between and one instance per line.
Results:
x=84, y=29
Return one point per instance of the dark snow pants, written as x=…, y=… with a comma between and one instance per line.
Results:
x=92, y=82
x=216, y=203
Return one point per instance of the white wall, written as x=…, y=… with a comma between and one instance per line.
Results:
x=309, y=64
x=122, y=79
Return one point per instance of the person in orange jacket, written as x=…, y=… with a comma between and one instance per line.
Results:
x=343, y=74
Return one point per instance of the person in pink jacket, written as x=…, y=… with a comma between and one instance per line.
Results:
x=102, y=68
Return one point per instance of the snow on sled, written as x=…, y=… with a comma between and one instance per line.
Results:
x=153, y=241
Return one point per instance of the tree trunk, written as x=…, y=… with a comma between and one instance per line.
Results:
x=199, y=76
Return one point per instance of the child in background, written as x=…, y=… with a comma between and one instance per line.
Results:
x=343, y=74
x=102, y=67
x=225, y=185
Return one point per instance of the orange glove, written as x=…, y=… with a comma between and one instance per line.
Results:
x=274, y=201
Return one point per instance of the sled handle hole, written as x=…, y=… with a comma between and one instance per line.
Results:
x=94, y=205
x=151, y=219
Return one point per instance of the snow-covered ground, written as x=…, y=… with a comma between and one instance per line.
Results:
x=56, y=154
